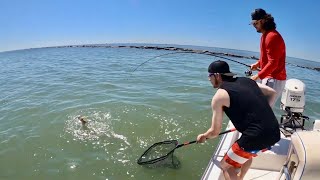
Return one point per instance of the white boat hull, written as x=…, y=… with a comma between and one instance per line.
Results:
x=266, y=166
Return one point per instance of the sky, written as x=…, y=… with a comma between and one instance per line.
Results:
x=213, y=23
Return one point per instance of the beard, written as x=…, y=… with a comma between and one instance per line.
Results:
x=258, y=30
x=215, y=84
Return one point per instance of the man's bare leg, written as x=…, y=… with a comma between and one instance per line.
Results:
x=229, y=171
x=244, y=169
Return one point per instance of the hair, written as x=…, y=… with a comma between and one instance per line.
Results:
x=269, y=23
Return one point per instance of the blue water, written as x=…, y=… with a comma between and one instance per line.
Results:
x=43, y=91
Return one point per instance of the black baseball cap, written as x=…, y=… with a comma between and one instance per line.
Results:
x=220, y=67
x=258, y=14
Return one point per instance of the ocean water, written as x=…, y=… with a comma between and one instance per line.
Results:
x=43, y=91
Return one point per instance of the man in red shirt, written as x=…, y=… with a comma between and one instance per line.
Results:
x=272, y=52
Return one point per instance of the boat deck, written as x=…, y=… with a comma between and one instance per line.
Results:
x=265, y=166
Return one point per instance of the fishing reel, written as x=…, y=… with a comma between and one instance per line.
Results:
x=248, y=72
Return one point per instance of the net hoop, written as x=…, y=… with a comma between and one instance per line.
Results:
x=140, y=160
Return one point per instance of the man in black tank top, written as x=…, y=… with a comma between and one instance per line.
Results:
x=247, y=104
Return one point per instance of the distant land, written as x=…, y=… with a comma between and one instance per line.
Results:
x=174, y=48
x=180, y=49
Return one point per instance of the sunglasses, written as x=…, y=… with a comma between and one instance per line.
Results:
x=254, y=22
x=211, y=74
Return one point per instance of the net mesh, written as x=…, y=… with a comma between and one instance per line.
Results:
x=170, y=162
x=160, y=153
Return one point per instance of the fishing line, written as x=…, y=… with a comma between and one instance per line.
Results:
x=211, y=54
x=155, y=58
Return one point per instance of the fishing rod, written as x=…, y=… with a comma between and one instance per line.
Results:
x=230, y=60
x=248, y=72
x=186, y=51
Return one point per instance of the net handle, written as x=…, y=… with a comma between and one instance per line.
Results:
x=191, y=142
x=140, y=162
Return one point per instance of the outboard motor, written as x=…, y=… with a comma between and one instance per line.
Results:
x=293, y=102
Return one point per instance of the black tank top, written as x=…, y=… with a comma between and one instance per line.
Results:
x=251, y=114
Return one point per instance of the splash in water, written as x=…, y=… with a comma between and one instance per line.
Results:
x=92, y=126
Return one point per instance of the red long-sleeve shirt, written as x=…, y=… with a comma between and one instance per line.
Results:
x=272, y=56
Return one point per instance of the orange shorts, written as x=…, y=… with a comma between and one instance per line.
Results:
x=236, y=156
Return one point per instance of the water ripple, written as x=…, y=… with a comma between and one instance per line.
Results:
x=43, y=91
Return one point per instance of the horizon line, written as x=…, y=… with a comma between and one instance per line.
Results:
x=54, y=46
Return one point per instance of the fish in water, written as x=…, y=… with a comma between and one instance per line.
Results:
x=83, y=120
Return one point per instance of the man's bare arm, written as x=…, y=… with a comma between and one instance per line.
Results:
x=220, y=99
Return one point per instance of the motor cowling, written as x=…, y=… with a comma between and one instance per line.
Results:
x=293, y=96
x=293, y=102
